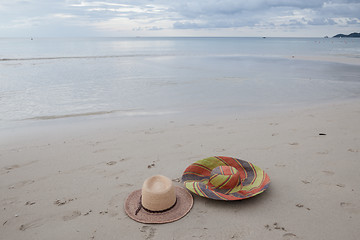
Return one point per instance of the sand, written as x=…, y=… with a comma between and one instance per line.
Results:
x=69, y=181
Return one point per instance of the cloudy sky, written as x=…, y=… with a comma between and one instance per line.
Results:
x=117, y=18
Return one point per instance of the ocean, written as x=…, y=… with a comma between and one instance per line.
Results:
x=47, y=79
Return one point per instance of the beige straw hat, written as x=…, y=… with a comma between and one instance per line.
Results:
x=159, y=201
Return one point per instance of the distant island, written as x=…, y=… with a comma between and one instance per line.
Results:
x=351, y=35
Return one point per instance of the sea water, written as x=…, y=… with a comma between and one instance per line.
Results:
x=55, y=78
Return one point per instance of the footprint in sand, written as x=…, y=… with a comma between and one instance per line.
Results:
x=63, y=202
x=126, y=185
x=323, y=152
x=71, y=216
x=345, y=204
x=32, y=224
x=11, y=167
x=100, y=150
x=340, y=185
x=285, y=236
x=111, y=163
x=21, y=184
x=148, y=231
x=115, y=201
x=350, y=208
x=288, y=236
x=294, y=144
x=329, y=173
x=123, y=159
x=9, y=201
x=8, y=168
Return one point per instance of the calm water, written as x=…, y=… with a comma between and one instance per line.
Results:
x=45, y=79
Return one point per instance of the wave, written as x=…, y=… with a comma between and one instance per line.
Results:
x=81, y=57
x=131, y=112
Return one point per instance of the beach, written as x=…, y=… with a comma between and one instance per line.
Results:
x=70, y=180
x=83, y=124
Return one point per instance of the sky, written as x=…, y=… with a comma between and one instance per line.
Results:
x=128, y=18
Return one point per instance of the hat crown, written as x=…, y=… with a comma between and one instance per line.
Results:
x=158, y=193
x=225, y=177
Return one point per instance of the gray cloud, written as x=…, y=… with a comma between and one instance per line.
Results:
x=162, y=15
x=251, y=13
x=321, y=21
x=332, y=9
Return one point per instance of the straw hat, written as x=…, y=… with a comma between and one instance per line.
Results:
x=159, y=201
x=225, y=178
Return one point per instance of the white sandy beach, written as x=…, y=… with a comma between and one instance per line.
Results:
x=70, y=181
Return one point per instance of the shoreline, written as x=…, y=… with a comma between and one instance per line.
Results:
x=317, y=85
x=341, y=59
x=71, y=180
x=133, y=117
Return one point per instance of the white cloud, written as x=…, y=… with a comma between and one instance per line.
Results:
x=62, y=16
x=173, y=17
x=95, y=4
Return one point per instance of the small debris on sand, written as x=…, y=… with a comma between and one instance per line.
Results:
x=85, y=214
x=62, y=202
x=299, y=205
x=275, y=226
x=151, y=165
x=104, y=212
x=111, y=163
x=176, y=180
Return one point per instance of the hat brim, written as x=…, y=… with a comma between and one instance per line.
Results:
x=196, y=178
x=183, y=205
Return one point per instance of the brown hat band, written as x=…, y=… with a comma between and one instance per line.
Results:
x=151, y=211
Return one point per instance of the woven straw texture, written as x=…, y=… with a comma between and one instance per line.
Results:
x=182, y=207
x=198, y=175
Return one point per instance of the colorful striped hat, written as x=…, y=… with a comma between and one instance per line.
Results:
x=225, y=178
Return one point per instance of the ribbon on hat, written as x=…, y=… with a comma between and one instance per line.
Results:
x=151, y=211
